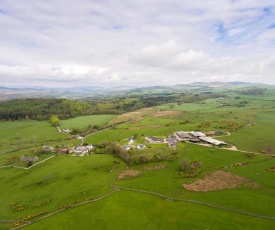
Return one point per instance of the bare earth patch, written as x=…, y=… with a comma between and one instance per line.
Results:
x=128, y=173
x=271, y=169
x=145, y=127
x=153, y=168
x=133, y=116
x=139, y=112
x=219, y=180
x=167, y=114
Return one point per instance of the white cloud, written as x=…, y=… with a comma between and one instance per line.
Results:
x=136, y=42
x=170, y=55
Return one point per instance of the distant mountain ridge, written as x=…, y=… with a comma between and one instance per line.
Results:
x=9, y=93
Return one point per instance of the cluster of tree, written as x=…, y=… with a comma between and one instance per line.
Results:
x=41, y=109
x=121, y=104
x=54, y=120
x=115, y=149
x=206, y=124
x=254, y=91
x=88, y=130
x=188, y=169
x=44, y=109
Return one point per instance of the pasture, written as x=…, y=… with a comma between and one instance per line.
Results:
x=132, y=210
x=155, y=197
x=23, y=137
x=59, y=181
x=80, y=123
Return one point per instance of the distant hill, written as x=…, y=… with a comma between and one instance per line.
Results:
x=9, y=93
x=226, y=84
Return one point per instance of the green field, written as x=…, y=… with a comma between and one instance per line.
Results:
x=19, y=138
x=59, y=181
x=130, y=210
x=81, y=123
x=154, y=199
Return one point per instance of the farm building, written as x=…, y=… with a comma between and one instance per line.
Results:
x=48, y=148
x=90, y=147
x=126, y=147
x=198, y=134
x=29, y=159
x=141, y=146
x=66, y=130
x=171, y=139
x=65, y=149
x=195, y=140
x=131, y=142
x=211, y=133
x=79, y=137
x=212, y=141
x=152, y=139
x=183, y=135
x=81, y=150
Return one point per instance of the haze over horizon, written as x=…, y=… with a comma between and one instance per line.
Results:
x=110, y=43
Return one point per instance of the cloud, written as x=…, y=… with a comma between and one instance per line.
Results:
x=66, y=75
x=197, y=63
x=136, y=42
x=170, y=55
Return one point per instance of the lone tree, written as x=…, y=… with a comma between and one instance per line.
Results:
x=54, y=120
x=184, y=165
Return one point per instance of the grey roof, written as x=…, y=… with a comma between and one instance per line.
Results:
x=183, y=135
x=212, y=141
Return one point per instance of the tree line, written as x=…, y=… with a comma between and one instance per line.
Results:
x=43, y=109
x=116, y=150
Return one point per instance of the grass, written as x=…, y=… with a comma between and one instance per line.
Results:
x=168, y=182
x=259, y=135
x=64, y=179
x=130, y=210
x=80, y=123
x=52, y=181
x=19, y=138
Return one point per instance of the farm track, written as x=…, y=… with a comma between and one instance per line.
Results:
x=6, y=166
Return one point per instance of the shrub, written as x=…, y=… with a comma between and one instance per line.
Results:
x=184, y=165
x=250, y=155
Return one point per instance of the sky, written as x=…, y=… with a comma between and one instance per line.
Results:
x=65, y=43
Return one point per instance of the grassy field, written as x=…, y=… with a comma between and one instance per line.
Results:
x=64, y=180
x=260, y=135
x=83, y=122
x=19, y=138
x=59, y=181
x=170, y=183
x=130, y=210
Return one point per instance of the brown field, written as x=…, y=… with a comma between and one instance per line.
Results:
x=167, y=114
x=219, y=180
x=129, y=173
x=153, y=168
x=139, y=112
x=145, y=127
x=134, y=117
